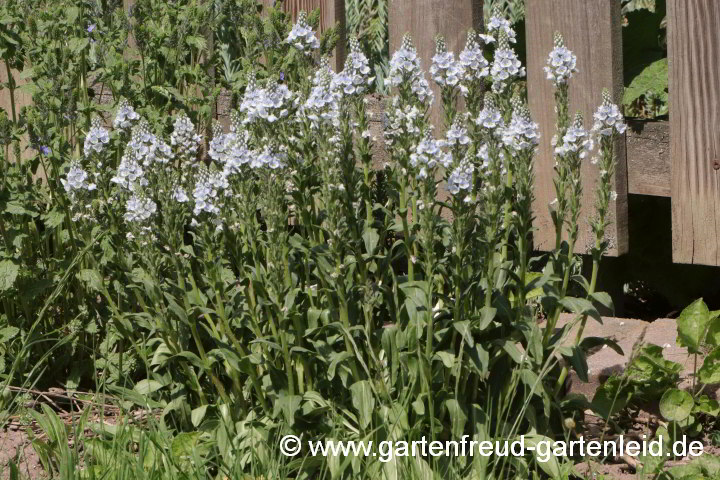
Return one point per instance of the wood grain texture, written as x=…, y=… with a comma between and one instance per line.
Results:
x=424, y=20
x=648, y=158
x=332, y=12
x=592, y=30
x=694, y=52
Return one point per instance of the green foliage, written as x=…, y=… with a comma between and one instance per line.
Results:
x=295, y=291
x=645, y=59
x=647, y=94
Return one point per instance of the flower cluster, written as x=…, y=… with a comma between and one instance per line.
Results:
x=457, y=134
x=322, y=105
x=461, y=178
x=270, y=157
x=445, y=70
x=139, y=208
x=125, y=115
x=608, y=118
x=575, y=140
x=76, y=179
x=230, y=150
x=147, y=148
x=302, y=36
x=490, y=117
x=97, y=137
x=472, y=59
x=561, y=63
x=427, y=155
x=401, y=122
x=497, y=25
x=521, y=135
x=506, y=66
x=355, y=77
x=129, y=172
x=184, y=138
x=405, y=69
x=207, y=191
x=269, y=104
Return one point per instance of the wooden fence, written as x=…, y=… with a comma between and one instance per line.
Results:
x=679, y=159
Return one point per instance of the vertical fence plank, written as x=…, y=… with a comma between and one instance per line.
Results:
x=592, y=30
x=694, y=52
x=424, y=20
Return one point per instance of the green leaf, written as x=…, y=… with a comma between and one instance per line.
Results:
x=91, y=278
x=580, y=306
x=706, y=405
x=652, y=79
x=676, y=405
x=552, y=466
x=8, y=273
x=458, y=417
x=610, y=398
x=77, y=45
x=147, y=386
x=463, y=328
x=8, y=333
x=363, y=401
x=197, y=415
x=370, y=237
x=692, y=326
x=710, y=371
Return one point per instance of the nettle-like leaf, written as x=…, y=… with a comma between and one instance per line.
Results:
x=710, y=371
x=8, y=273
x=692, y=326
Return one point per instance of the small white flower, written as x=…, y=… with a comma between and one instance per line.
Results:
x=302, y=36
x=561, y=63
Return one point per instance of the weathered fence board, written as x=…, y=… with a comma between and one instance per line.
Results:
x=648, y=158
x=424, y=20
x=694, y=53
x=592, y=31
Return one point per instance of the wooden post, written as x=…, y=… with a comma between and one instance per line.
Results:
x=693, y=54
x=331, y=13
x=592, y=30
x=424, y=20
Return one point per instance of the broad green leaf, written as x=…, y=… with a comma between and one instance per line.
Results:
x=544, y=457
x=676, y=405
x=363, y=401
x=580, y=306
x=197, y=415
x=707, y=405
x=370, y=237
x=710, y=370
x=147, y=386
x=8, y=273
x=458, y=417
x=692, y=326
x=91, y=278
x=463, y=328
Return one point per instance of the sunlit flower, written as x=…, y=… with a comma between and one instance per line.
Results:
x=561, y=63
x=302, y=36
x=125, y=116
x=405, y=69
x=608, y=118
x=96, y=138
